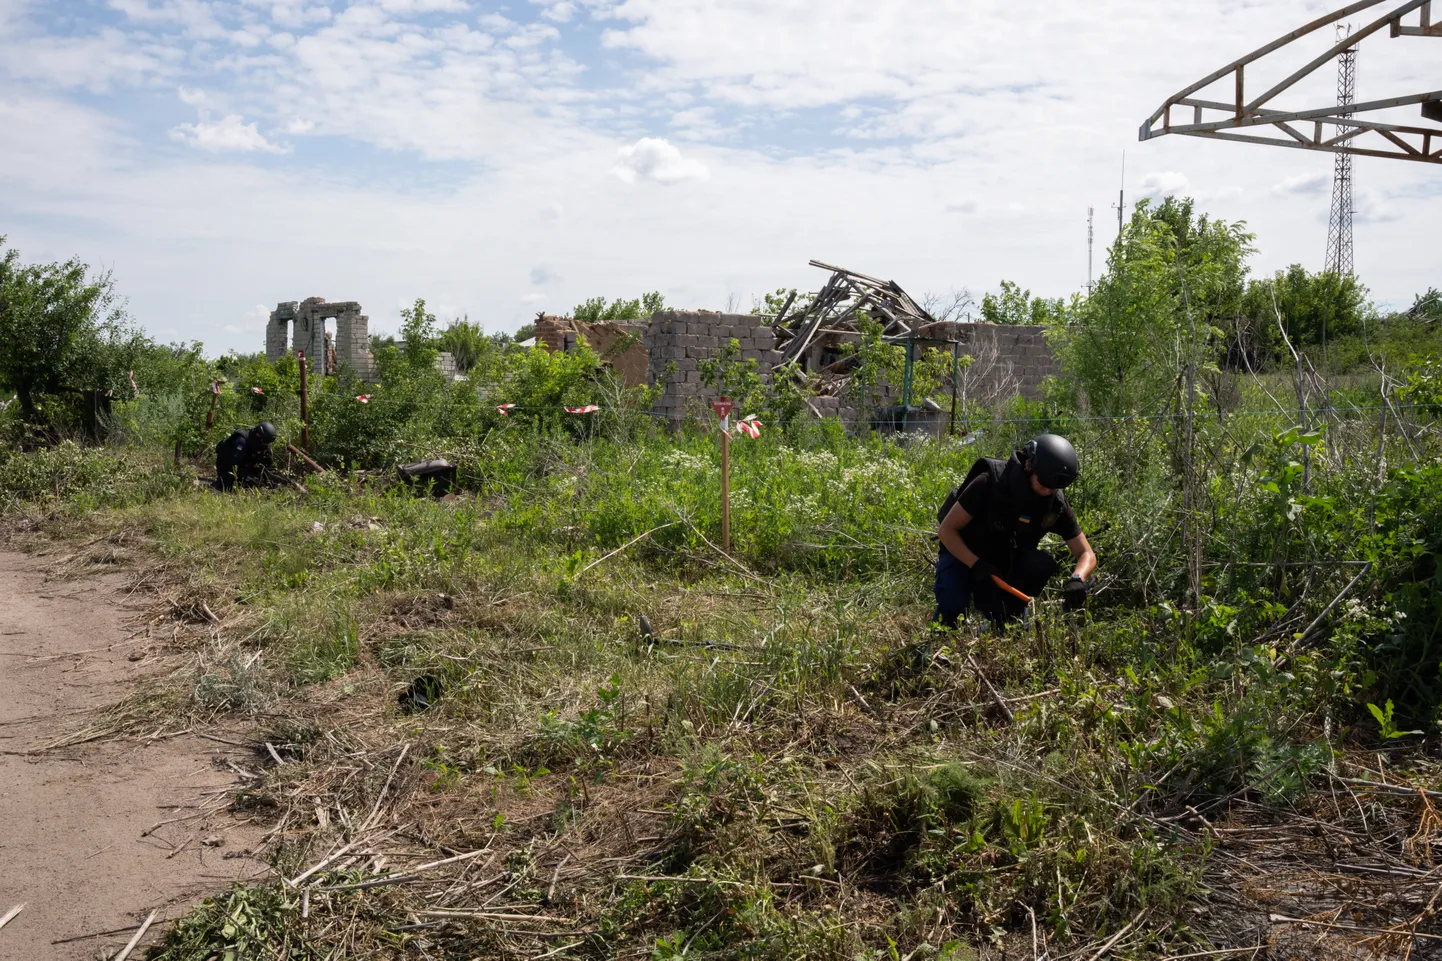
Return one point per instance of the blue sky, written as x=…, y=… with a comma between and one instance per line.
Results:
x=504, y=158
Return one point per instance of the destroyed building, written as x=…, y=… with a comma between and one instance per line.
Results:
x=297, y=326
x=811, y=333
x=304, y=321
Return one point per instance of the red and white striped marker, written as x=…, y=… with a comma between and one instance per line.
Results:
x=365, y=398
x=588, y=409
x=505, y=409
x=257, y=390
x=749, y=426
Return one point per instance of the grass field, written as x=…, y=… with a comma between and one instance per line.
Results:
x=469, y=746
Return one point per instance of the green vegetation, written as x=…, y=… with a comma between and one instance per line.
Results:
x=596, y=309
x=663, y=750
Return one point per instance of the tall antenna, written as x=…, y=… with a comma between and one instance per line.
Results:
x=1122, y=196
x=1090, y=212
x=1339, y=225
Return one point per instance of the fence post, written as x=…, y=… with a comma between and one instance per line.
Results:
x=304, y=404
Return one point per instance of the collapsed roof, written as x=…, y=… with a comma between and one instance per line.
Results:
x=835, y=309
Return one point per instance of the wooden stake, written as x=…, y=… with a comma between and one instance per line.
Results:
x=306, y=458
x=304, y=404
x=725, y=492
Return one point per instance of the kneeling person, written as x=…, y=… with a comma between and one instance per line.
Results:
x=993, y=524
x=244, y=457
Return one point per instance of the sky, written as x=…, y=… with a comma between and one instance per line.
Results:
x=504, y=158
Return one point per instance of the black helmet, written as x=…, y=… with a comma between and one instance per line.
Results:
x=1053, y=459
x=266, y=430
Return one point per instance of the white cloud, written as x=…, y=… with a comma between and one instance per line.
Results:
x=1156, y=186
x=1303, y=185
x=986, y=131
x=229, y=134
x=543, y=275
x=192, y=96
x=652, y=158
x=1372, y=207
x=557, y=11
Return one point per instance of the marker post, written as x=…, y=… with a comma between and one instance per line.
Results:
x=722, y=408
x=304, y=404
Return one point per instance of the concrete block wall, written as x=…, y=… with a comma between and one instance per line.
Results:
x=678, y=341
x=1006, y=359
x=277, y=331
x=353, y=343
x=306, y=322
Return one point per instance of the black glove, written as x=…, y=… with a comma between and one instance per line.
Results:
x=1074, y=594
x=983, y=570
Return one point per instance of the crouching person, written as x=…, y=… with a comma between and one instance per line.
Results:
x=244, y=458
x=992, y=525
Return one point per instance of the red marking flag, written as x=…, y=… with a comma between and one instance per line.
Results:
x=505, y=409
x=588, y=409
x=365, y=398
x=750, y=426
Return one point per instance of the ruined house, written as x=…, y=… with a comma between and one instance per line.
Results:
x=669, y=348
x=301, y=326
x=305, y=324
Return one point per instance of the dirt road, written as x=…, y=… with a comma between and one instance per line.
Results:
x=78, y=842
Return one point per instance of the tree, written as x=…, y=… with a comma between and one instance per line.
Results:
x=55, y=321
x=1313, y=308
x=1016, y=306
x=1428, y=306
x=1170, y=278
x=596, y=310
x=418, y=329
x=465, y=342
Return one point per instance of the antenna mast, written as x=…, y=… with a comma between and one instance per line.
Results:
x=1339, y=225
x=1090, y=212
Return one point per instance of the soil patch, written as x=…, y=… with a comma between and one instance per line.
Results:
x=84, y=846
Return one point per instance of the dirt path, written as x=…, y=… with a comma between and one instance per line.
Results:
x=74, y=847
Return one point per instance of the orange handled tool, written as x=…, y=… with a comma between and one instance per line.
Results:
x=1011, y=590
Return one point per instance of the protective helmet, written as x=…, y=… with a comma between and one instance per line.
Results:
x=266, y=430
x=1053, y=459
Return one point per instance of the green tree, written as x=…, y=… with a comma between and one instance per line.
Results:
x=1313, y=307
x=465, y=342
x=1428, y=306
x=1016, y=306
x=596, y=310
x=56, y=322
x=1170, y=278
x=418, y=329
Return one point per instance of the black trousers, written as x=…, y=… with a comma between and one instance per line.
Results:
x=957, y=588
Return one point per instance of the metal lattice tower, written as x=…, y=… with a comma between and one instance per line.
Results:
x=1339, y=225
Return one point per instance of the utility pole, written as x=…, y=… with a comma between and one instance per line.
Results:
x=1122, y=197
x=1090, y=212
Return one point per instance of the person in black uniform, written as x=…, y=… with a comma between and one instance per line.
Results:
x=993, y=524
x=244, y=457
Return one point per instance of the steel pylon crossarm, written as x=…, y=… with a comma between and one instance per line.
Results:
x=1325, y=128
